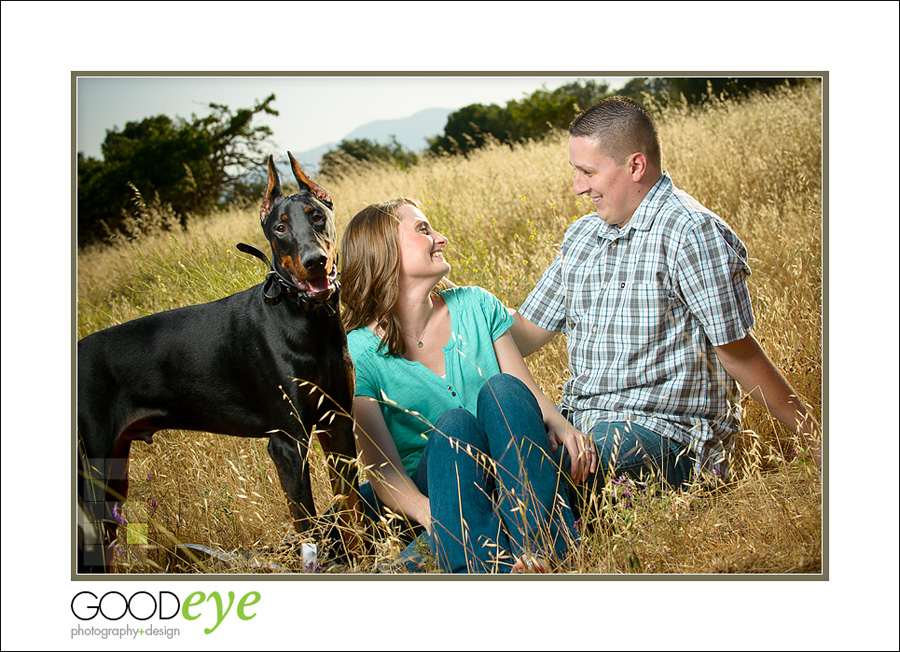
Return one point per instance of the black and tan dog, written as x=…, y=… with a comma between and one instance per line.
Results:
x=227, y=367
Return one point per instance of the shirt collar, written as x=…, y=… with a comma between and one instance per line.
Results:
x=643, y=217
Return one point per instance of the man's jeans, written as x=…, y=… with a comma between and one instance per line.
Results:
x=629, y=449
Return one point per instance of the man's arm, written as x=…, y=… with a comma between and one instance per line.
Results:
x=748, y=364
x=528, y=336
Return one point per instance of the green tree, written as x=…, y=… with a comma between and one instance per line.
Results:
x=637, y=87
x=187, y=165
x=696, y=90
x=531, y=117
x=472, y=126
x=544, y=110
x=336, y=162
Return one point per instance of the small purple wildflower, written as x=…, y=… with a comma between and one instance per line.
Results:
x=120, y=518
x=578, y=525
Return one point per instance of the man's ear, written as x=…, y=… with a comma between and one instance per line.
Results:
x=637, y=163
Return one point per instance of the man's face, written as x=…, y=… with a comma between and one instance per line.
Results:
x=610, y=187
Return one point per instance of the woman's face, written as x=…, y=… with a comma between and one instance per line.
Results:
x=421, y=247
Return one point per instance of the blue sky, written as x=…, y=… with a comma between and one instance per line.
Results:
x=313, y=110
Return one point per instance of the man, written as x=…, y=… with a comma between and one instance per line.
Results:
x=651, y=291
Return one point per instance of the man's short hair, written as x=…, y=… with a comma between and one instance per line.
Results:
x=621, y=127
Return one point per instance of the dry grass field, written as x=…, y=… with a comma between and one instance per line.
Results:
x=758, y=163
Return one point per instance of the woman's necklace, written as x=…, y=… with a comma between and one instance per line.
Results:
x=419, y=339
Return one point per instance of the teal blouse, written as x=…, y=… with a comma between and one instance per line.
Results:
x=413, y=397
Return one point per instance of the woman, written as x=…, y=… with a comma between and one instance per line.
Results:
x=452, y=427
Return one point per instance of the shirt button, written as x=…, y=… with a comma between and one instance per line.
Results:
x=623, y=285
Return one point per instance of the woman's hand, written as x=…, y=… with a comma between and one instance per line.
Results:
x=581, y=449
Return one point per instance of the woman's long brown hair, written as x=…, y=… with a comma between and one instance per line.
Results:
x=370, y=271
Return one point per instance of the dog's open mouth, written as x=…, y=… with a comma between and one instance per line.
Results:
x=319, y=288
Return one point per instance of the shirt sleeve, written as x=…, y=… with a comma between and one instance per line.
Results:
x=712, y=273
x=366, y=379
x=496, y=313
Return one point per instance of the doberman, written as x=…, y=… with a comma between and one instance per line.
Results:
x=227, y=367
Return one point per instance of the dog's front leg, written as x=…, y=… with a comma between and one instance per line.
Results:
x=289, y=454
x=339, y=446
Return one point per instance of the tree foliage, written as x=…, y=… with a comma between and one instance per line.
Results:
x=696, y=90
x=529, y=118
x=544, y=110
x=337, y=161
x=186, y=165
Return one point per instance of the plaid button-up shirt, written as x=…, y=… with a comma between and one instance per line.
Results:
x=642, y=307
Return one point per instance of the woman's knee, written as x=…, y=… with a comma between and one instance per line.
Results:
x=503, y=392
x=502, y=385
x=454, y=426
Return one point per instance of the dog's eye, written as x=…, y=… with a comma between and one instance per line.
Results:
x=319, y=218
x=280, y=228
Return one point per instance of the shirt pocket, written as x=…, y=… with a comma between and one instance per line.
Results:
x=648, y=314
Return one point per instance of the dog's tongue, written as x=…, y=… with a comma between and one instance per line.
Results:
x=318, y=288
x=317, y=285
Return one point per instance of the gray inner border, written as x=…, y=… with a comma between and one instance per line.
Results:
x=822, y=576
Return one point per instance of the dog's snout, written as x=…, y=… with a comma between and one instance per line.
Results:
x=315, y=262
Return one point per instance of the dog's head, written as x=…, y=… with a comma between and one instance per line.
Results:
x=300, y=228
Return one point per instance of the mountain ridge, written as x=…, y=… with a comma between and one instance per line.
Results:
x=411, y=132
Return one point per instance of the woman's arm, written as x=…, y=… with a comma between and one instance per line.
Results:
x=559, y=430
x=386, y=473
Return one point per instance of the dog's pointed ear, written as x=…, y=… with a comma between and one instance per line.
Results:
x=305, y=181
x=273, y=191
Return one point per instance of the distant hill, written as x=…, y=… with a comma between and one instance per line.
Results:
x=410, y=132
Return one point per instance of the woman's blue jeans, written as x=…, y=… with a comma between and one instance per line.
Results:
x=495, y=491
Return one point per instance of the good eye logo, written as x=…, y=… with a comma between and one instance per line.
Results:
x=142, y=606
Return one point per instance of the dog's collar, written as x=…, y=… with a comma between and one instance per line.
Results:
x=276, y=287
